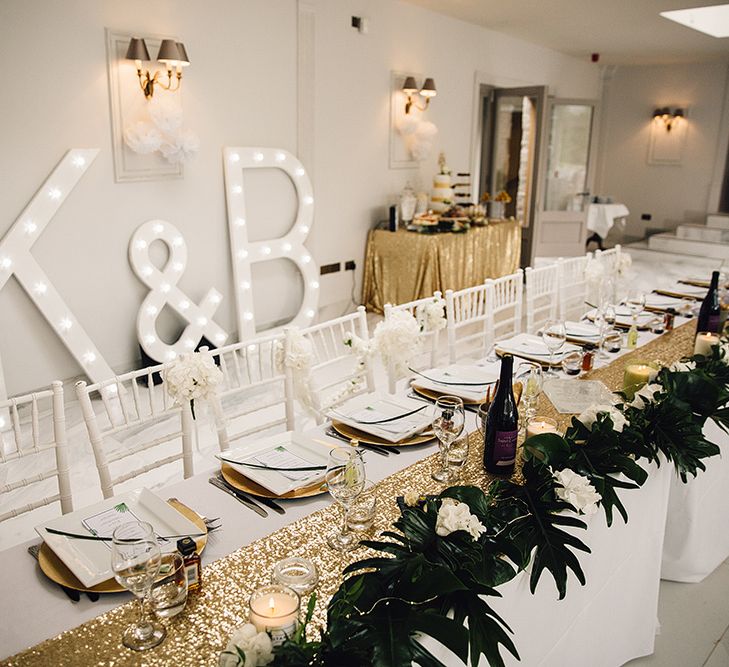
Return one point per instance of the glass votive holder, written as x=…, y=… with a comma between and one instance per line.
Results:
x=361, y=511
x=612, y=341
x=297, y=573
x=572, y=362
x=275, y=609
x=456, y=457
x=658, y=326
x=637, y=375
x=538, y=425
x=705, y=340
x=168, y=594
x=687, y=308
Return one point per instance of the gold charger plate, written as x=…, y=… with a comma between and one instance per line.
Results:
x=368, y=438
x=55, y=569
x=517, y=389
x=435, y=395
x=679, y=295
x=242, y=483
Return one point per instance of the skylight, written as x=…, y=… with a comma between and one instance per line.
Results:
x=712, y=21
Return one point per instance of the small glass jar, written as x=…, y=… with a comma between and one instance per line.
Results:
x=572, y=362
x=669, y=318
x=612, y=341
x=658, y=326
x=538, y=425
x=588, y=357
x=275, y=609
x=297, y=573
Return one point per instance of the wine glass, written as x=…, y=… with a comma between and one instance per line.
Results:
x=532, y=379
x=635, y=303
x=554, y=336
x=449, y=418
x=345, y=477
x=135, y=561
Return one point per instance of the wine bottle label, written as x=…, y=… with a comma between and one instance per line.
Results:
x=505, y=448
x=713, y=323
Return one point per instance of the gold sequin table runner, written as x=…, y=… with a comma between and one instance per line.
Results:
x=402, y=266
x=197, y=635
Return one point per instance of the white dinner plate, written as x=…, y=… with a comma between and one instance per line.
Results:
x=528, y=346
x=445, y=380
x=90, y=560
x=292, y=450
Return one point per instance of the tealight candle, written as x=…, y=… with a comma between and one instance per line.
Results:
x=635, y=376
x=539, y=425
x=275, y=609
x=704, y=342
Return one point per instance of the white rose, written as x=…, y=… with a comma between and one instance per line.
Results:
x=589, y=416
x=682, y=366
x=411, y=498
x=397, y=339
x=431, y=315
x=454, y=516
x=724, y=348
x=577, y=491
x=645, y=395
x=255, y=645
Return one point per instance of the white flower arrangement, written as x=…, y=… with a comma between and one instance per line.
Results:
x=577, y=491
x=431, y=315
x=247, y=647
x=397, y=340
x=682, y=366
x=191, y=376
x=454, y=516
x=589, y=416
x=297, y=354
x=625, y=261
x=411, y=498
x=724, y=348
x=645, y=395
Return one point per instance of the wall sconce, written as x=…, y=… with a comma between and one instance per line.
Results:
x=668, y=116
x=171, y=53
x=410, y=88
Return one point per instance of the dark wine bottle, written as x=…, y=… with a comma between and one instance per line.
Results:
x=710, y=313
x=502, y=425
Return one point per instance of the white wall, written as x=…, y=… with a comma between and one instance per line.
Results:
x=672, y=194
x=240, y=90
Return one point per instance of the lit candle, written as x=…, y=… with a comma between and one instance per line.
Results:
x=704, y=342
x=637, y=375
x=539, y=425
x=275, y=609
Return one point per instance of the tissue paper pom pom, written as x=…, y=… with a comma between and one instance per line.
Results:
x=165, y=113
x=407, y=126
x=426, y=129
x=180, y=146
x=143, y=138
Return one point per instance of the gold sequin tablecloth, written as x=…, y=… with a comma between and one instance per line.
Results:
x=201, y=632
x=402, y=266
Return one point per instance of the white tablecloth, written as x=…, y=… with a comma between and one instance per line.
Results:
x=602, y=217
x=697, y=527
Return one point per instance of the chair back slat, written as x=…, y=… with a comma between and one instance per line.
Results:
x=45, y=440
x=542, y=296
x=572, y=286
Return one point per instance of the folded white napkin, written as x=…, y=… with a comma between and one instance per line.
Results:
x=582, y=330
x=445, y=380
x=532, y=347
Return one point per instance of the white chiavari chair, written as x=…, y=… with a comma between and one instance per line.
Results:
x=429, y=351
x=336, y=372
x=542, y=296
x=572, y=286
x=504, y=307
x=609, y=259
x=467, y=323
x=252, y=397
x=26, y=447
x=138, y=428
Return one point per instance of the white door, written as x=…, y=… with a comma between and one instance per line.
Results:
x=565, y=179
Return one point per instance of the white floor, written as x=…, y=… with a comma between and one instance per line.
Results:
x=694, y=617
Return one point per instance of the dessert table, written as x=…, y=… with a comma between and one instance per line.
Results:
x=403, y=266
x=620, y=597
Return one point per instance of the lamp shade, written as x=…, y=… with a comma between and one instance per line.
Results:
x=428, y=89
x=409, y=87
x=137, y=49
x=184, y=59
x=168, y=52
x=679, y=113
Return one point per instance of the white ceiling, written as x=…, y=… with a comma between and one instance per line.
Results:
x=621, y=31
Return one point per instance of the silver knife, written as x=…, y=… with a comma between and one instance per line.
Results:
x=268, y=502
x=245, y=501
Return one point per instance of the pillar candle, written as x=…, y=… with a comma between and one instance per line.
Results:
x=704, y=343
x=540, y=425
x=275, y=609
x=636, y=375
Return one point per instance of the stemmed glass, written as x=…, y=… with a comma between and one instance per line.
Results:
x=605, y=318
x=135, y=561
x=554, y=336
x=449, y=418
x=532, y=379
x=635, y=303
x=345, y=477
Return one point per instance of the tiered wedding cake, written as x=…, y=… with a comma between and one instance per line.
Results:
x=441, y=198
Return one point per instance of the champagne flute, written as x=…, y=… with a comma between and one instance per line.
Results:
x=531, y=377
x=345, y=477
x=449, y=417
x=554, y=336
x=135, y=561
